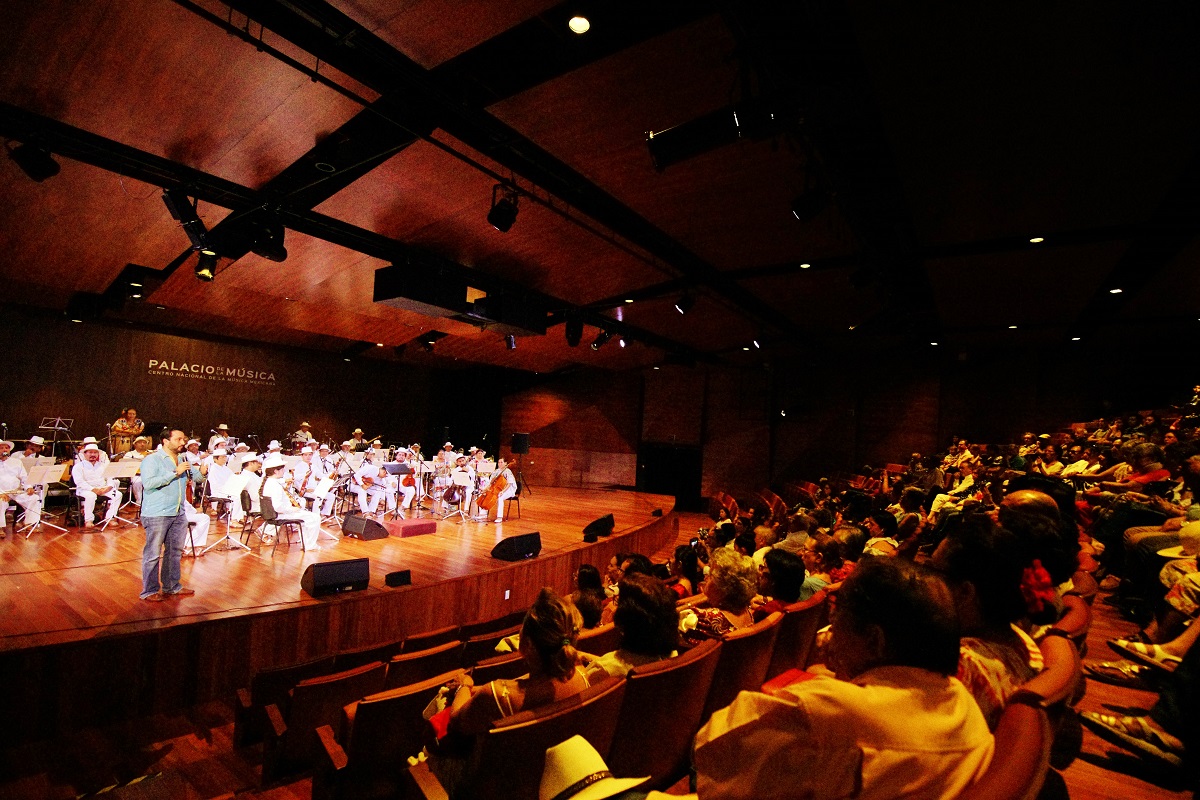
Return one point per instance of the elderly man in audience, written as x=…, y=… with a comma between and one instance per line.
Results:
x=893, y=723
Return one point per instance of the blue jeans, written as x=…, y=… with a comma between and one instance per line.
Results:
x=168, y=532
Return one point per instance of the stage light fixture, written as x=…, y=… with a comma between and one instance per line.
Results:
x=601, y=340
x=574, y=331
x=510, y=341
x=183, y=211
x=35, y=162
x=685, y=303
x=504, y=207
x=268, y=240
x=579, y=24
x=206, y=266
x=622, y=342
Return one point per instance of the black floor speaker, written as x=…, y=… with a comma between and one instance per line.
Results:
x=363, y=528
x=333, y=577
x=518, y=548
x=520, y=444
x=601, y=527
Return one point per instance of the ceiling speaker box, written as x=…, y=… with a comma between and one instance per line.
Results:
x=334, y=577
x=520, y=444
x=601, y=527
x=518, y=548
x=360, y=527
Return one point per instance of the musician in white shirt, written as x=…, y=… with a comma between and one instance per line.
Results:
x=407, y=484
x=304, y=435
x=219, y=474
x=90, y=483
x=83, y=446
x=221, y=435
x=272, y=487
x=369, y=488
x=141, y=449
x=507, y=493
x=191, y=453
x=14, y=486
x=251, y=463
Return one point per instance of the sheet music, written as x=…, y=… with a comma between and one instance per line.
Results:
x=322, y=488
x=122, y=469
x=50, y=473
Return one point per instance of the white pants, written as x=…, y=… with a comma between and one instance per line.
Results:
x=197, y=529
x=135, y=488
x=89, y=503
x=32, y=504
x=310, y=525
x=409, y=493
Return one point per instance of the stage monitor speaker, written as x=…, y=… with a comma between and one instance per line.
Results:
x=601, y=527
x=363, y=528
x=401, y=577
x=520, y=444
x=518, y=548
x=333, y=577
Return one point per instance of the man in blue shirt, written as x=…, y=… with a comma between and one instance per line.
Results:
x=164, y=495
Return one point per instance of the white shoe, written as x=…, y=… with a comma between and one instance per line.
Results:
x=499, y=520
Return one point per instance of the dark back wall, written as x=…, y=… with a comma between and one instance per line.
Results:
x=90, y=371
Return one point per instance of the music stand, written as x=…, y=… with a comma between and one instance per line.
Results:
x=58, y=425
x=398, y=471
x=119, y=470
x=42, y=475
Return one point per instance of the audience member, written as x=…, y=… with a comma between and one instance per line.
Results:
x=780, y=579
x=729, y=588
x=648, y=625
x=589, y=595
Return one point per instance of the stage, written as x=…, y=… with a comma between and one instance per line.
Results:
x=78, y=647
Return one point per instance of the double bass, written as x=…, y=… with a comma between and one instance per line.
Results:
x=487, y=500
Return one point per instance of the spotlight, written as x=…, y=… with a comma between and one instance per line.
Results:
x=504, y=207
x=757, y=346
x=510, y=342
x=206, y=266
x=579, y=24
x=622, y=342
x=574, y=331
x=34, y=162
x=601, y=340
x=268, y=240
x=183, y=210
x=684, y=303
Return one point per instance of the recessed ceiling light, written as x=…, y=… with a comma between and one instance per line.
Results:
x=782, y=413
x=345, y=359
x=805, y=266
x=136, y=295
x=79, y=320
x=579, y=24
x=628, y=299
x=656, y=367
x=379, y=344
x=1012, y=327
x=1074, y=338
x=1036, y=240
x=747, y=349
x=852, y=327
x=934, y=344
x=757, y=346
x=1115, y=291
x=135, y=285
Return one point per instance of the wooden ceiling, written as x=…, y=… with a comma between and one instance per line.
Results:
x=943, y=138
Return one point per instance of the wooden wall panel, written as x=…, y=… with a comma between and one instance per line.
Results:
x=737, y=433
x=674, y=406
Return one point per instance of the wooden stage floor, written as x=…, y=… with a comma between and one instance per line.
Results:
x=57, y=588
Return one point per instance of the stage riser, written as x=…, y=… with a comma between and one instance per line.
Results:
x=57, y=688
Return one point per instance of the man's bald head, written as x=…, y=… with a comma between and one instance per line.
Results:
x=1031, y=501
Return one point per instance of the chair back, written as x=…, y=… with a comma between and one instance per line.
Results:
x=492, y=625
x=599, y=640
x=382, y=730
x=743, y=663
x=663, y=704
x=268, y=509
x=408, y=668
x=508, y=667
x=797, y=633
x=269, y=686
x=1022, y=757
x=316, y=702
x=508, y=760
x=428, y=639
x=349, y=659
x=477, y=648
x=246, y=503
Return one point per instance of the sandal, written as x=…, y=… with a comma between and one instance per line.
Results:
x=1152, y=655
x=1133, y=733
x=1121, y=673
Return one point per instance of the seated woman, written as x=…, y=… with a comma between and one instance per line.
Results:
x=779, y=581
x=822, y=555
x=648, y=624
x=547, y=646
x=687, y=572
x=589, y=596
x=729, y=588
x=883, y=529
x=981, y=564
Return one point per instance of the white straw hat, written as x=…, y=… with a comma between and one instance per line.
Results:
x=575, y=771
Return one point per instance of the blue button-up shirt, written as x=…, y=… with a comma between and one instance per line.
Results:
x=164, y=492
